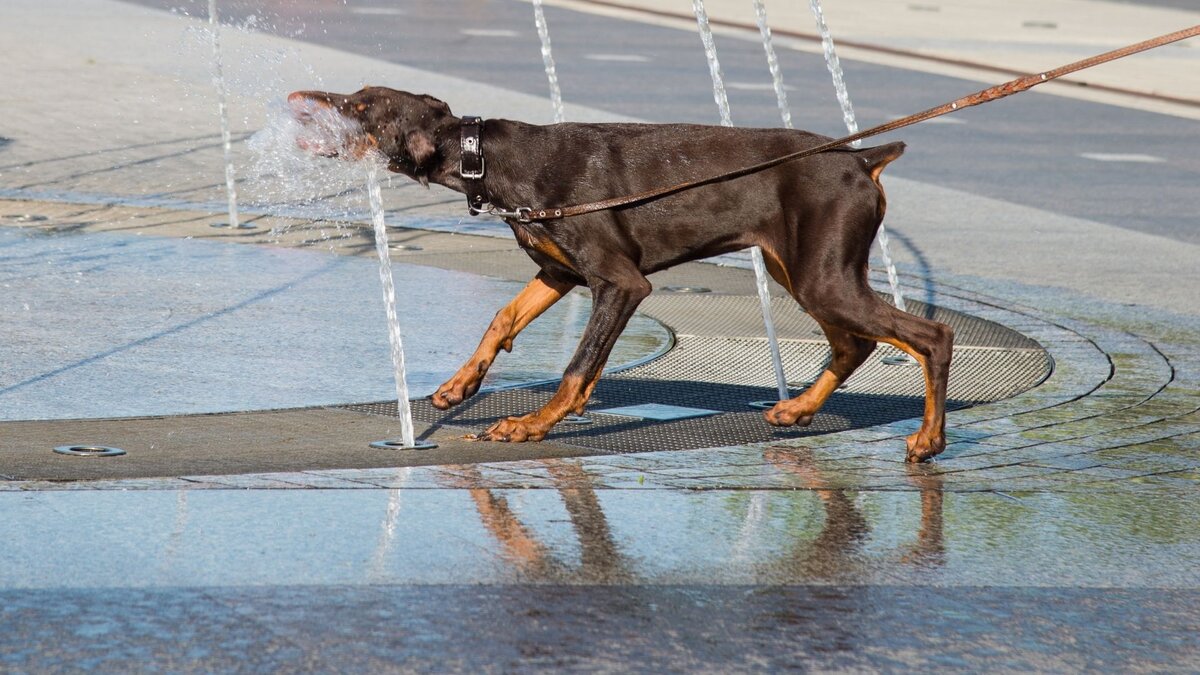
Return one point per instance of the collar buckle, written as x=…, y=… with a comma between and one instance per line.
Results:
x=470, y=161
x=472, y=174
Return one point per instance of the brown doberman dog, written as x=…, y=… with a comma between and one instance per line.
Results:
x=814, y=218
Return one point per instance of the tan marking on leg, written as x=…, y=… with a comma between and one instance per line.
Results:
x=535, y=425
x=553, y=251
x=587, y=394
x=931, y=435
x=777, y=269
x=530, y=239
x=847, y=355
x=931, y=409
x=534, y=299
x=793, y=411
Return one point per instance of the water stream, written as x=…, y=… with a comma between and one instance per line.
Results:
x=375, y=197
x=539, y=19
x=843, y=97
x=214, y=26
x=764, y=29
x=756, y=258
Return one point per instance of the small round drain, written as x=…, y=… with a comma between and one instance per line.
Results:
x=575, y=419
x=762, y=405
x=808, y=383
x=397, y=444
x=899, y=360
x=89, y=451
x=686, y=289
x=240, y=226
x=26, y=218
x=406, y=247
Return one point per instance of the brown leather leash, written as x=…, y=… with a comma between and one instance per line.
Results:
x=528, y=214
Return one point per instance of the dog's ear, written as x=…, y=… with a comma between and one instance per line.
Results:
x=422, y=149
x=436, y=103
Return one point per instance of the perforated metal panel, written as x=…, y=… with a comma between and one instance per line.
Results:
x=977, y=374
x=738, y=316
x=726, y=374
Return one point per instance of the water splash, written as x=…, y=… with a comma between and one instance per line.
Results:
x=760, y=15
x=281, y=172
x=539, y=18
x=756, y=257
x=843, y=97
x=375, y=198
x=311, y=157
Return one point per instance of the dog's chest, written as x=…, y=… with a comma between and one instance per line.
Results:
x=540, y=247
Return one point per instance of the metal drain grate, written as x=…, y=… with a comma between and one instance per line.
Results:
x=735, y=423
x=733, y=316
x=716, y=372
x=995, y=373
x=976, y=374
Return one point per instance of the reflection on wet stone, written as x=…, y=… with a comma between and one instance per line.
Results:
x=827, y=544
x=600, y=561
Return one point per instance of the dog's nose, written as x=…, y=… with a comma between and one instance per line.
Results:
x=304, y=104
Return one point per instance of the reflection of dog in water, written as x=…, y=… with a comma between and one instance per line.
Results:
x=834, y=553
x=835, y=549
x=600, y=561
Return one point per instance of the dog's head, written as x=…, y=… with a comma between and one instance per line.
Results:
x=407, y=129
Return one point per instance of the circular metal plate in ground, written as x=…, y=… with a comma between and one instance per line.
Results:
x=808, y=383
x=762, y=405
x=575, y=419
x=240, y=226
x=25, y=218
x=722, y=374
x=406, y=247
x=89, y=451
x=899, y=360
x=686, y=289
x=394, y=444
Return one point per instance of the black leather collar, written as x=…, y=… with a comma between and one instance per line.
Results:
x=471, y=165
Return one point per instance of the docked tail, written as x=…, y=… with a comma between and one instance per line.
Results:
x=876, y=158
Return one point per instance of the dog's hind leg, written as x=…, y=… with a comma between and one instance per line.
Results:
x=538, y=296
x=615, y=297
x=849, y=352
x=855, y=308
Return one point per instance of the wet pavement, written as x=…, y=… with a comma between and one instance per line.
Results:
x=649, y=629
x=1057, y=532
x=441, y=578
x=124, y=324
x=1060, y=530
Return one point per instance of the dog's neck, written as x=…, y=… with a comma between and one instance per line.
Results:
x=446, y=171
x=495, y=146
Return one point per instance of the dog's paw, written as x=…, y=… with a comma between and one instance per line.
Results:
x=924, y=445
x=784, y=415
x=455, y=390
x=516, y=430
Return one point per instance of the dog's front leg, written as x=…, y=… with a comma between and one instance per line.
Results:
x=613, y=303
x=534, y=299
